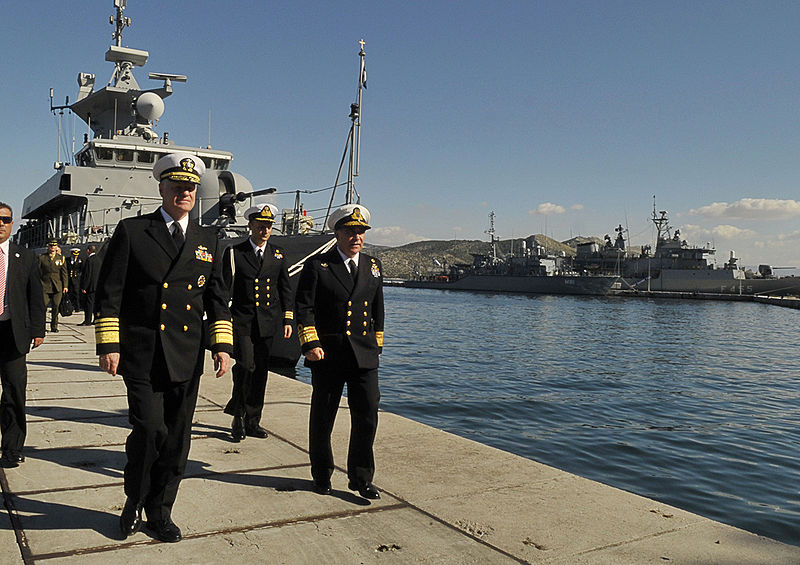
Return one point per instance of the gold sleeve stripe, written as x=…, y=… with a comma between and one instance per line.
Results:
x=307, y=334
x=379, y=337
x=222, y=332
x=288, y=315
x=106, y=330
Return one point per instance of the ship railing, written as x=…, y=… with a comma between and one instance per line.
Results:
x=297, y=267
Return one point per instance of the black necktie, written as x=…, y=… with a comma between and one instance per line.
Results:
x=351, y=265
x=260, y=255
x=177, y=235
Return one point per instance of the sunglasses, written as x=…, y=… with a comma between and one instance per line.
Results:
x=6, y=219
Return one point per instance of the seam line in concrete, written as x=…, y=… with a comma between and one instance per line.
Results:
x=262, y=526
x=19, y=533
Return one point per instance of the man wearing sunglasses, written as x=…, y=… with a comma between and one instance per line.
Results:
x=160, y=275
x=22, y=318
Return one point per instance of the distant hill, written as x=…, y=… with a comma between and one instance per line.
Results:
x=420, y=258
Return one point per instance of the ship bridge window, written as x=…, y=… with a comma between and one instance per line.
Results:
x=221, y=165
x=105, y=153
x=207, y=161
x=145, y=157
x=125, y=155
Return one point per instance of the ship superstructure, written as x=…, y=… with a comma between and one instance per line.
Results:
x=110, y=176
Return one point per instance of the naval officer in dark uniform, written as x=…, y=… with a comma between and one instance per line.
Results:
x=22, y=316
x=340, y=316
x=261, y=306
x=160, y=274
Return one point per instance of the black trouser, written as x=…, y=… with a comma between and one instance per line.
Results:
x=161, y=414
x=14, y=379
x=363, y=396
x=88, y=307
x=249, y=376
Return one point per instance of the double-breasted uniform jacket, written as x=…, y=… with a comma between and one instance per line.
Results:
x=343, y=318
x=147, y=292
x=74, y=267
x=25, y=299
x=54, y=273
x=261, y=293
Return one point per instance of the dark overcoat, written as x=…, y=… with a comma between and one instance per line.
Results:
x=343, y=318
x=151, y=298
x=261, y=293
x=25, y=298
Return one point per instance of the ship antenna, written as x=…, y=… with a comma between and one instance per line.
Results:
x=120, y=22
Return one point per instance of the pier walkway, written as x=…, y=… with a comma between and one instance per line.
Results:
x=445, y=500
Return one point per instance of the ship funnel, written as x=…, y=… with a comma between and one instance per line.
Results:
x=150, y=106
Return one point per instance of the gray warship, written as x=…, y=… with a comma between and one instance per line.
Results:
x=534, y=271
x=676, y=266
x=109, y=177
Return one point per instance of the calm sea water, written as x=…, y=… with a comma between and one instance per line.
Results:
x=692, y=403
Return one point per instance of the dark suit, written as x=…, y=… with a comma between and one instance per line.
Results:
x=261, y=304
x=150, y=305
x=26, y=307
x=54, y=281
x=346, y=320
x=89, y=274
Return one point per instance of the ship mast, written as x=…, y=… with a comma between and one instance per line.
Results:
x=355, y=128
x=120, y=22
x=491, y=234
x=353, y=145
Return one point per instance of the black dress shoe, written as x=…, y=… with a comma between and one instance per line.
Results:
x=257, y=431
x=237, y=429
x=322, y=488
x=165, y=530
x=130, y=521
x=367, y=490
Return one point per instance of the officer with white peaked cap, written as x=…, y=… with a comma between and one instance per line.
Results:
x=262, y=213
x=340, y=325
x=262, y=310
x=349, y=215
x=160, y=277
x=182, y=167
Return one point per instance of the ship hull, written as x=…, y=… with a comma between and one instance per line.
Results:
x=557, y=284
x=714, y=281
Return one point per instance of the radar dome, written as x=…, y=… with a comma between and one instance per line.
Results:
x=150, y=106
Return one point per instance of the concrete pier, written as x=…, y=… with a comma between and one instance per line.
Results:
x=445, y=500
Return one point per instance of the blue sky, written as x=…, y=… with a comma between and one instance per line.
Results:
x=564, y=117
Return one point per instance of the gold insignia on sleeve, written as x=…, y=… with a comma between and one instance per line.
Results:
x=221, y=332
x=307, y=334
x=106, y=330
x=288, y=315
x=379, y=338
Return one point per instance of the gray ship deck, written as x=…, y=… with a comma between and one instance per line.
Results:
x=446, y=500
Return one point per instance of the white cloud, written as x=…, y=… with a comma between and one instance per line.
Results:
x=547, y=209
x=576, y=207
x=750, y=209
x=393, y=235
x=693, y=233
